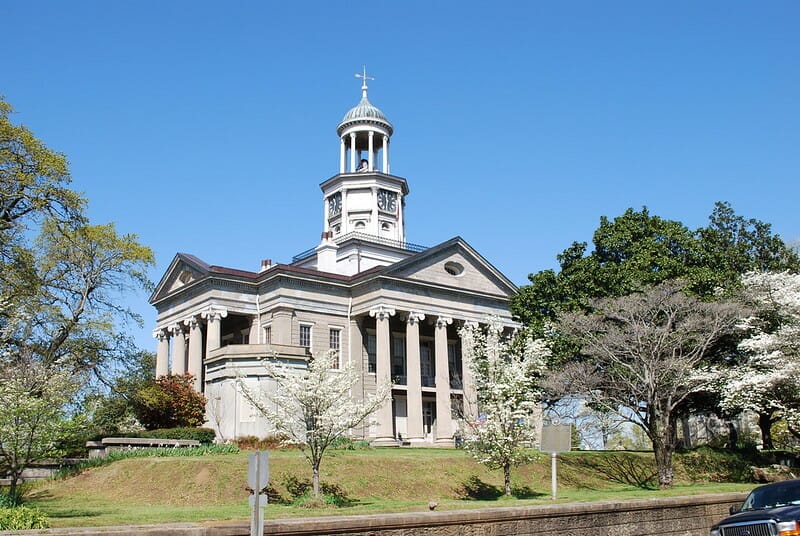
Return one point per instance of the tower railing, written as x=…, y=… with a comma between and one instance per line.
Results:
x=366, y=237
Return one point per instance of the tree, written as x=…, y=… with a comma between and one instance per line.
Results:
x=170, y=402
x=313, y=407
x=639, y=357
x=62, y=280
x=33, y=396
x=766, y=379
x=505, y=373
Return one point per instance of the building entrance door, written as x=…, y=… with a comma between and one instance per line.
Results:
x=428, y=418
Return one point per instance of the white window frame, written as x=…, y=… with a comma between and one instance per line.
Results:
x=310, y=327
x=337, y=364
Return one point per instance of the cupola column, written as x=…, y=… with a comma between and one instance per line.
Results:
x=371, y=151
x=386, y=154
x=352, y=152
x=342, y=155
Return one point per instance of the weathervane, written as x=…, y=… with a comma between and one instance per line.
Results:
x=364, y=78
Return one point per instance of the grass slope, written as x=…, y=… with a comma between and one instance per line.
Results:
x=207, y=488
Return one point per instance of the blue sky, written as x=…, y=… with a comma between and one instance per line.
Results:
x=207, y=127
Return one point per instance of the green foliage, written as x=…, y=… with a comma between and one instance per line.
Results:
x=170, y=402
x=203, y=435
x=22, y=518
x=347, y=443
x=707, y=464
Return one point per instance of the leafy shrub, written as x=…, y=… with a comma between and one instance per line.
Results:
x=22, y=518
x=203, y=435
x=346, y=443
x=271, y=442
x=170, y=402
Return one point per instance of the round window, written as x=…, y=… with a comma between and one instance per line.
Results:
x=454, y=268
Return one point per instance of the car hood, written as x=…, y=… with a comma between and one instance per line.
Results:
x=783, y=513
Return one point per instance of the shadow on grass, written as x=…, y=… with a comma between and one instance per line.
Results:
x=475, y=489
x=74, y=512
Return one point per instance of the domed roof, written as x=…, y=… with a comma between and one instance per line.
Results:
x=364, y=112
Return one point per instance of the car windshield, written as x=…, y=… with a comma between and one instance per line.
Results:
x=772, y=496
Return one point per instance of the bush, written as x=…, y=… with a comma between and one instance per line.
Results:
x=22, y=518
x=169, y=402
x=203, y=435
x=708, y=464
x=346, y=443
x=272, y=442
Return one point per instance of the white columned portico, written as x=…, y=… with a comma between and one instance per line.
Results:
x=444, y=424
x=384, y=435
x=414, y=379
x=195, y=365
x=162, y=355
x=178, y=349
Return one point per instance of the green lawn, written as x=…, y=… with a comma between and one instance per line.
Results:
x=209, y=488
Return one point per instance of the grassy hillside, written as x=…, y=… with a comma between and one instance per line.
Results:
x=152, y=490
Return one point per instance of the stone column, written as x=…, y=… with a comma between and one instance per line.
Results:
x=162, y=356
x=178, y=349
x=444, y=425
x=470, y=400
x=414, y=375
x=195, y=367
x=214, y=316
x=385, y=435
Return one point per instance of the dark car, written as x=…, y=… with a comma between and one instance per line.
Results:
x=771, y=510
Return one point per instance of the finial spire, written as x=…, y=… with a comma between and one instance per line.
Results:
x=364, y=79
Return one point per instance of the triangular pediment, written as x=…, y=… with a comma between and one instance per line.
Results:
x=183, y=270
x=454, y=264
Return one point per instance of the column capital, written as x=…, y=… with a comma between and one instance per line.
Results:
x=382, y=312
x=161, y=333
x=415, y=318
x=191, y=322
x=212, y=312
x=471, y=324
x=176, y=329
x=443, y=321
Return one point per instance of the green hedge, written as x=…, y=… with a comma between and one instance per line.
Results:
x=203, y=435
x=22, y=518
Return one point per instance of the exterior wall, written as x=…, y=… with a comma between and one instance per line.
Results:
x=677, y=516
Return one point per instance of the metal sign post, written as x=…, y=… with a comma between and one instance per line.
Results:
x=555, y=438
x=257, y=481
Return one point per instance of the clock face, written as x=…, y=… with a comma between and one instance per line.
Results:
x=335, y=204
x=387, y=200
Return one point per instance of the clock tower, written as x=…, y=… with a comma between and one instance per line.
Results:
x=364, y=202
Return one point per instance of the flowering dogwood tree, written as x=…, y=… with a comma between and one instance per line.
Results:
x=506, y=373
x=314, y=406
x=768, y=380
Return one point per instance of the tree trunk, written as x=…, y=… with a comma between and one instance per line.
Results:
x=733, y=434
x=663, y=454
x=315, y=480
x=507, y=478
x=765, y=424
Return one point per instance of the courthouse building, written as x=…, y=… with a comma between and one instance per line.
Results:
x=391, y=308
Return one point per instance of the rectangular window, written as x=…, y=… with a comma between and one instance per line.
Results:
x=335, y=342
x=268, y=334
x=305, y=335
x=372, y=353
x=399, y=360
x=454, y=364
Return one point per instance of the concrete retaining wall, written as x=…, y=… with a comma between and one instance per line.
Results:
x=678, y=516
